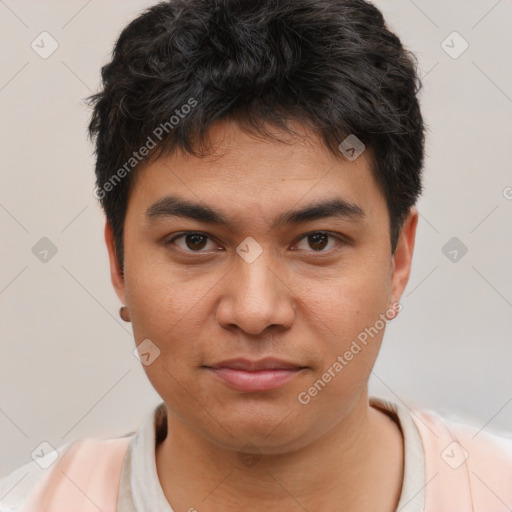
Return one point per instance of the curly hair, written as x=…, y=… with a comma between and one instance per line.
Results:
x=182, y=65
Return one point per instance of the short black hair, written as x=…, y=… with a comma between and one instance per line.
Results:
x=182, y=65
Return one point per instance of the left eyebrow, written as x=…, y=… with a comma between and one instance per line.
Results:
x=322, y=210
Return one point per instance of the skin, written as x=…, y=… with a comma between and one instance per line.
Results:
x=292, y=302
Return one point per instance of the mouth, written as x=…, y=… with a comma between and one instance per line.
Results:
x=253, y=376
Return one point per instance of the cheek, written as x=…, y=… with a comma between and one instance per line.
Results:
x=171, y=310
x=174, y=322
x=351, y=308
x=162, y=295
x=352, y=302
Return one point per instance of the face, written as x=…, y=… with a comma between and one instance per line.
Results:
x=256, y=272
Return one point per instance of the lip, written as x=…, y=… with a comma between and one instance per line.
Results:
x=252, y=376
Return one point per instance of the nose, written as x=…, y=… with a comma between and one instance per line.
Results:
x=255, y=297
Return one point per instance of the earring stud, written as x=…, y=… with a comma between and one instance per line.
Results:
x=124, y=314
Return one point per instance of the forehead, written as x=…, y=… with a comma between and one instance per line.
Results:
x=256, y=175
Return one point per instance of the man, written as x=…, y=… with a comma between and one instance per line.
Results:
x=258, y=164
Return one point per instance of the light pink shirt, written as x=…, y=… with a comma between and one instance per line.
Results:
x=448, y=467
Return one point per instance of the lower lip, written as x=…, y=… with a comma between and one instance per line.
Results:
x=252, y=381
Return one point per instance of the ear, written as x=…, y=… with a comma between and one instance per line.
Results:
x=402, y=259
x=116, y=275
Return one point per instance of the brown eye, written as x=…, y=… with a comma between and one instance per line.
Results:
x=318, y=241
x=192, y=242
x=195, y=241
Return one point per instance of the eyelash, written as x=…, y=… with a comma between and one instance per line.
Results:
x=339, y=239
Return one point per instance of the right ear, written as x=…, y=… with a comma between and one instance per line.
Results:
x=116, y=274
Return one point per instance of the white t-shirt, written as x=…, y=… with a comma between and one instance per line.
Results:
x=139, y=474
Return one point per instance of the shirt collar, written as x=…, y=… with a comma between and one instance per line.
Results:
x=140, y=489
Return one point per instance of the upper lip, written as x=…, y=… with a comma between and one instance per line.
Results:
x=269, y=363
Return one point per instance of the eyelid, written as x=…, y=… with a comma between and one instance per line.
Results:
x=170, y=241
x=340, y=238
x=337, y=236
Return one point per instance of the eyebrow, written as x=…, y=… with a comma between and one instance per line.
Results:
x=172, y=206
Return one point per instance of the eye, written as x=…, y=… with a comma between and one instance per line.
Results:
x=319, y=241
x=192, y=242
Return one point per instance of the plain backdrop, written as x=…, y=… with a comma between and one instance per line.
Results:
x=67, y=364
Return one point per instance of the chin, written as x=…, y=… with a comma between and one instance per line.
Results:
x=273, y=430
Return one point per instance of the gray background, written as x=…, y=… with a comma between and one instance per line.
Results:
x=67, y=367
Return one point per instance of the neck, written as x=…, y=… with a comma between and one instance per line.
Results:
x=357, y=465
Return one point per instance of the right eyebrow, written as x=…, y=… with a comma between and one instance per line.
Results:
x=171, y=206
